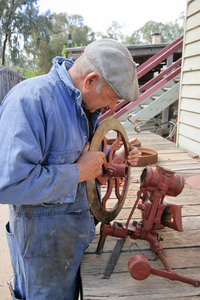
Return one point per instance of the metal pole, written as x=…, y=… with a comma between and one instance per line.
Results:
x=185, y=169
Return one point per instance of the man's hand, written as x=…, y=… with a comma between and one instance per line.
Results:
x=133, y=155
x=90, y=164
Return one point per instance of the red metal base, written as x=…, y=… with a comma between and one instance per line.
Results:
x=156, y=214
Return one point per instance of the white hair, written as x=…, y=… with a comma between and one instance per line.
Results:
x=84, y=66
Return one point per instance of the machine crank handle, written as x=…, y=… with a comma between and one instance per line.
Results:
x=175, y=276
x=140, y=269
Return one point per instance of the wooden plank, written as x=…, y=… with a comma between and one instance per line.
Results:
x=185, y=168
x=187, y=210
x=192, y=146
x=171, y=240
x=146, y=139
x=193, y=21
x=192, y=77
x=191, y=63
x=170, y=148
x=190, y=105
x=190, y=91
x=8, y=79
x=193, y=7
x=192, y=133
x=187, y=258
x=190, y=118
x=188, y=197
x=178, y=165
x=171, y=156
x=192, y=48
x=123, y=286
x=191, y=209
x=192, y=35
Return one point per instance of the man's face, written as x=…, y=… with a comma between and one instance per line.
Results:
x=107, y=97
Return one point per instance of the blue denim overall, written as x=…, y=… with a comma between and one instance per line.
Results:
x=50, y=223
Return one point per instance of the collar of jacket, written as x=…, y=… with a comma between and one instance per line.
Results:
x=62, y=65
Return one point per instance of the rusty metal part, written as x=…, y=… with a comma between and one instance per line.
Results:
x=140, y=269
x=113, y=259
x=147, y=157
x=150, y=180
x=137, y=143
x=156, y=214
x=113, y=168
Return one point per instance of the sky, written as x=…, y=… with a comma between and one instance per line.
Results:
x=131, y=14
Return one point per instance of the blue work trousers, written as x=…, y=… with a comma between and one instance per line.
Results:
x=46, y=247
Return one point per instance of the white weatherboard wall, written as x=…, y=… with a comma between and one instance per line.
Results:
x=188, y=134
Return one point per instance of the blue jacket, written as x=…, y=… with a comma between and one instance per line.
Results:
x=43, y=130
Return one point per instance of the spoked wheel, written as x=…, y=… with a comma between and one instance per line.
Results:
x=115, y=173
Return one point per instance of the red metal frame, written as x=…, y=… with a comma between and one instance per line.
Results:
x=156, y=214
x=146, y=93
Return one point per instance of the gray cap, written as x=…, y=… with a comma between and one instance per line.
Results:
x=113, y=61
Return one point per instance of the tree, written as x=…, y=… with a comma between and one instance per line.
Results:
x=135, y=38
x=53, y=46
x=52, y=33
x=81, y=34
x=169, y=31
x=17, y=19
x=37, y=45
x=113, y=32
x=44, y=36
x=76, y=20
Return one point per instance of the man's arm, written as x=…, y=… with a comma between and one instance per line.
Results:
x=90, y=164
x=24, y=177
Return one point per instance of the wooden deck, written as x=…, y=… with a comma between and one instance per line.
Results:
x=182, y=249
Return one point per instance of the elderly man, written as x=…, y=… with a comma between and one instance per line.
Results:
x=46, y=123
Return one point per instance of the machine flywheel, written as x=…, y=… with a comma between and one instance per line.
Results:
x=115, y=173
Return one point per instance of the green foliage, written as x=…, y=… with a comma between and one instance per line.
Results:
x=52, y=32
x=113, y=32
x=64, y=51
x=48, y=35
x=30, y=73
x=134, y=39
x=81, y=35
x=17, y=19
x=169, y=31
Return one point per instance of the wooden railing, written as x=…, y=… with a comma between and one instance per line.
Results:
x=152, y=85
x=8, y=79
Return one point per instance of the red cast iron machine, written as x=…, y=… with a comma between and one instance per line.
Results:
x=155, y=213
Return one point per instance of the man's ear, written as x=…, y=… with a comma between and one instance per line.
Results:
x=91, y=80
